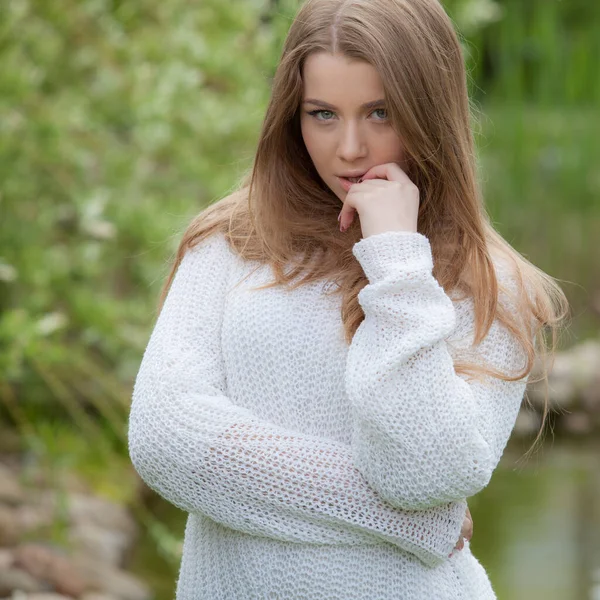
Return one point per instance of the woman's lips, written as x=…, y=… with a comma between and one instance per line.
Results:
x=346, y=183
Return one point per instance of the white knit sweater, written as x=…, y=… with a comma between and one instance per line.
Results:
x=314, y=470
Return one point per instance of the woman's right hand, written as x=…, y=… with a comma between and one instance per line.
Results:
x=466, y=532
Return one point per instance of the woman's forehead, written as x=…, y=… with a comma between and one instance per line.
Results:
x=336, y=79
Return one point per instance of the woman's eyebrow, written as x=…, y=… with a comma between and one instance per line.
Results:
x=316, y=102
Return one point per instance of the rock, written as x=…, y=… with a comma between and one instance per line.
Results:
x=577, y=423
x=47, y=596
x=10, y=488
x=585, y=362
x=6, y=558
x=560, y=388
x=16, y=579
x=528, y=423
x=101, y=529
x=35, y=516
x=97, y=527
x=573, y=374
x=97, y=596
x=102, y=533
x=72, y=483
x=102, y=513
x=45, y=563
x=590, y=395
x=112, y=581
x=107, y=545
x=10, y=528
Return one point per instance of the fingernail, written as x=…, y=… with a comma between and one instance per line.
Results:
x=339, y=216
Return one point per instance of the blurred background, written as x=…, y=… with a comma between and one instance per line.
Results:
x=119, y=121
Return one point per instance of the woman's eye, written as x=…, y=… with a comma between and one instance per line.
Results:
x=314, y=113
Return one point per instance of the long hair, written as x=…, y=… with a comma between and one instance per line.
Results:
x=284, y=215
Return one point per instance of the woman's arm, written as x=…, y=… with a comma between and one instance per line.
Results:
x=423, y=436
x=204, y=454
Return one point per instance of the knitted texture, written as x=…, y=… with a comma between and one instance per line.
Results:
x=310, y=468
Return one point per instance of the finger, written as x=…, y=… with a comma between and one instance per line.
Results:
x=469, y=533
x=346, y=215
x=389, y=171
x=466, y=530
x=469, y=529
x=373, y=183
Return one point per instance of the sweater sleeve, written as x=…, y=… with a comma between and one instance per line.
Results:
x=422, y=435
x=204, y=454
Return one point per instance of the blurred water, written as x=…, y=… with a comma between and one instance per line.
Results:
x=537, y=526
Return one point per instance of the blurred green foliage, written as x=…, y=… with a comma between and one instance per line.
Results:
x=539, y=51
x=120, y=120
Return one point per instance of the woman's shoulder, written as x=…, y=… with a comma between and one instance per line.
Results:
x=511, y=283
x=514, y=285
x=206, y=258
x=213, y=246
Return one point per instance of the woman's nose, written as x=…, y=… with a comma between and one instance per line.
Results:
x=351, y=144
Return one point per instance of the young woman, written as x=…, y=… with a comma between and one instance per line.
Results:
x=345, y=342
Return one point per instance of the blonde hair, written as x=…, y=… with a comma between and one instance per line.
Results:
x=283, y=214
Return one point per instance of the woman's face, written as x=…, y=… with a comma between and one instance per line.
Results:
x=344, y=121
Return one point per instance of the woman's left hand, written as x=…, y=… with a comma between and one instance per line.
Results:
x=466, y=532
x=385, y=200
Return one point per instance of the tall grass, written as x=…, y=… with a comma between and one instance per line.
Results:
x=541, y=178
x=539, y=52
